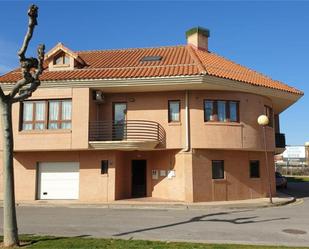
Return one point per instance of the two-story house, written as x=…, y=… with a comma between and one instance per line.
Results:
x=176, y=123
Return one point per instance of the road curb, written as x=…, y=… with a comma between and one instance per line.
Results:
x=160, y=206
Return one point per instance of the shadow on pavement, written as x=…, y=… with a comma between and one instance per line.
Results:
x=204, y=218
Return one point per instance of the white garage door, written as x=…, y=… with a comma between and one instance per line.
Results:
x=58, y=181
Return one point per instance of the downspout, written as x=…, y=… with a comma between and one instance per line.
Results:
x=187, y=123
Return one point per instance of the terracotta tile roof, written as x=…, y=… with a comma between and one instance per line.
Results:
x=219, y=66
x=176, y=61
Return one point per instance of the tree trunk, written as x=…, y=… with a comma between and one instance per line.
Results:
x=10, y=234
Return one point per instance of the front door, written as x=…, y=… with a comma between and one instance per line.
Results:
x=119, y=118
x=139, y=178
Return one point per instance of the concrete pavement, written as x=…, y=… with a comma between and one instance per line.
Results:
x=283, y=225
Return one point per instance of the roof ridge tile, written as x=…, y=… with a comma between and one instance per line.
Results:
x=196, y=59
x=127, y=49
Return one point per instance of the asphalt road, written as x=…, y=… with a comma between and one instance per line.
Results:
x=286, y=225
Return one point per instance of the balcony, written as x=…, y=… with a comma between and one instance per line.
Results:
x=126, y=135
x=280, y=143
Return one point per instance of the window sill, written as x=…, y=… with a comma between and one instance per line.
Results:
x=174, y=123
x=223, y=123
x=55, y=131
x=61, y=65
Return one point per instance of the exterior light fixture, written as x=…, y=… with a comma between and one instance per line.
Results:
x=264, y=121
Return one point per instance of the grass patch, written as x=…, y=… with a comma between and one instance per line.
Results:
x=92, y=243
x=297, y=178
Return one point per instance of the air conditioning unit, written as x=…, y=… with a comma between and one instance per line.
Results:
x=98, y=96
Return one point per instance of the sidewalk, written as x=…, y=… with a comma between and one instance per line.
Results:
x=153, y=203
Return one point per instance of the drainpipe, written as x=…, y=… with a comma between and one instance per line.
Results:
x=187, y=116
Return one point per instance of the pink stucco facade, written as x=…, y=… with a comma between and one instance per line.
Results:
x=235, y=143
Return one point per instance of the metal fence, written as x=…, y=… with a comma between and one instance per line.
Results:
x=126, y=130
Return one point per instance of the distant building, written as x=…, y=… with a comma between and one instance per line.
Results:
x=293, y=156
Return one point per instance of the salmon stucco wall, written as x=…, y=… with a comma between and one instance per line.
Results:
x=97, y=187
x=245, y=135
x=76, y=138
x=93, y=186
x=167, y=188
x=150, y=107
x=237, y=183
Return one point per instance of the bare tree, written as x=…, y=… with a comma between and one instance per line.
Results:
x=31, y=69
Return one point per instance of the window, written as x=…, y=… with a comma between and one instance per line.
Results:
x=174, y=111
x=217, y=169
x=51, y=114
x=34, y=115
x=62, y=60
x=221, y=111
x=209, y=110
x=254, y=169
x=104, y=167
x=233, y=109
x=59, y=114
x=269, y=114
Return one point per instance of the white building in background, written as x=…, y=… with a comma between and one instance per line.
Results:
x=293, y=156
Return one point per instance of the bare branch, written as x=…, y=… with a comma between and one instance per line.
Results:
x=33, y=14
x=26, y=92
x=18, y=86
x=41, y=53
x=2, y=95
x=31, y=68
x=28, y=76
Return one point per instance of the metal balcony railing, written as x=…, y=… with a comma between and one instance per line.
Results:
x=142, y=130
x=280, y=140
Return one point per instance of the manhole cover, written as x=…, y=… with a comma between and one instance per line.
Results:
x=294, y=231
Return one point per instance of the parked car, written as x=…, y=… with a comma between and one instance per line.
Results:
x=281, y=181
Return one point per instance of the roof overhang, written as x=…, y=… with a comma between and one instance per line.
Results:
x=281, y=99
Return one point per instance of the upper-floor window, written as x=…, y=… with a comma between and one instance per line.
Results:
x=46, y=114
x=221, y=110
x=62, y=59
x=269, y=113
x=174, y=111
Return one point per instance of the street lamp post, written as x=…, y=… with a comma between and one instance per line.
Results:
x=264, y=121
x=307, y=153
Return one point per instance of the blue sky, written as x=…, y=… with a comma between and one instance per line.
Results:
x=269, y=36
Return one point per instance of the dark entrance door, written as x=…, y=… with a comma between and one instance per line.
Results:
x=139, y=178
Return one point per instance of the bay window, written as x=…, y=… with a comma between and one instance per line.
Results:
x=46, y=114
x=221, y=111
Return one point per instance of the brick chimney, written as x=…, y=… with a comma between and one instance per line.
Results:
x=198, y=37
